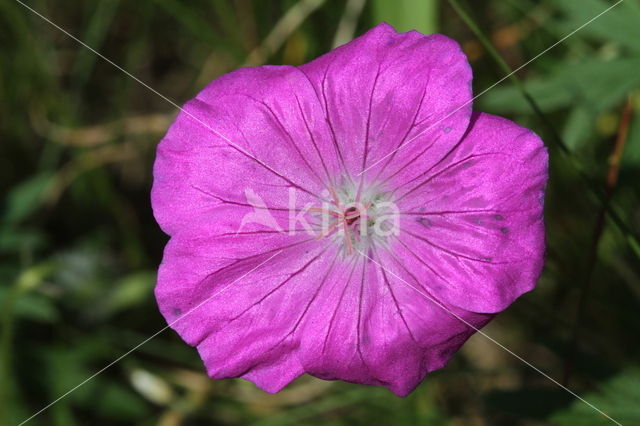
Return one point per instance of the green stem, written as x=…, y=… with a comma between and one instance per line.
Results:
x=486, y=43
x=610, y=186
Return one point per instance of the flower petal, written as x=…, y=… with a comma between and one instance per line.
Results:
x=238, y=298
x=258, y=129
x=267, y=305
x=373, y=327
x=384, y=90
x=473, y=226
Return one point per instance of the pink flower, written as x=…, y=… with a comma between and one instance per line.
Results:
x=277, y=185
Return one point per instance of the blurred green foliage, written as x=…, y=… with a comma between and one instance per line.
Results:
x=79, y=246
x=619, y=397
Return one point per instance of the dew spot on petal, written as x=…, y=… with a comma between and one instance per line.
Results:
x=177, y=311
x=504, y=230
x=498, y=217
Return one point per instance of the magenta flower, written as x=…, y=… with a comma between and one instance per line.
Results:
x=317, y=212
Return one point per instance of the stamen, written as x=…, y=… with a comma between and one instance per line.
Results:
x=329, y=230
x=321, y=210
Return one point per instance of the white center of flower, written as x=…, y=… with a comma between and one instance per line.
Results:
x=358, y=216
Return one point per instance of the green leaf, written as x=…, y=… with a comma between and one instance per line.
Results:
x=25, y=198
x=34, y=307
x=619, y=24
x=598, y=85
x=578, y=127
x=130, y=291
x=13, y=240
x=619, y=398
x=119, y=402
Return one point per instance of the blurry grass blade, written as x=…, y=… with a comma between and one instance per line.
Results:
x=484, y=40
x=592, y=258
x=96, y=32
x=289, y=22
x=194, y=20
x=466, y=17
x=407, y=15
x=634, y=245
x=555, y=136
x=26, y=281
x=632, y=155
x=348, y=21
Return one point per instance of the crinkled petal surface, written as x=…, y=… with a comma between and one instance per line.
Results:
x=277, y=127
x=385, y=90
x=264, y=300
x=472, y=226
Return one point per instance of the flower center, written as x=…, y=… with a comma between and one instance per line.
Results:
x=351, y=215
x=358, y=217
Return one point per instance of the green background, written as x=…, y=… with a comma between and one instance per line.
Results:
x=79, y=247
